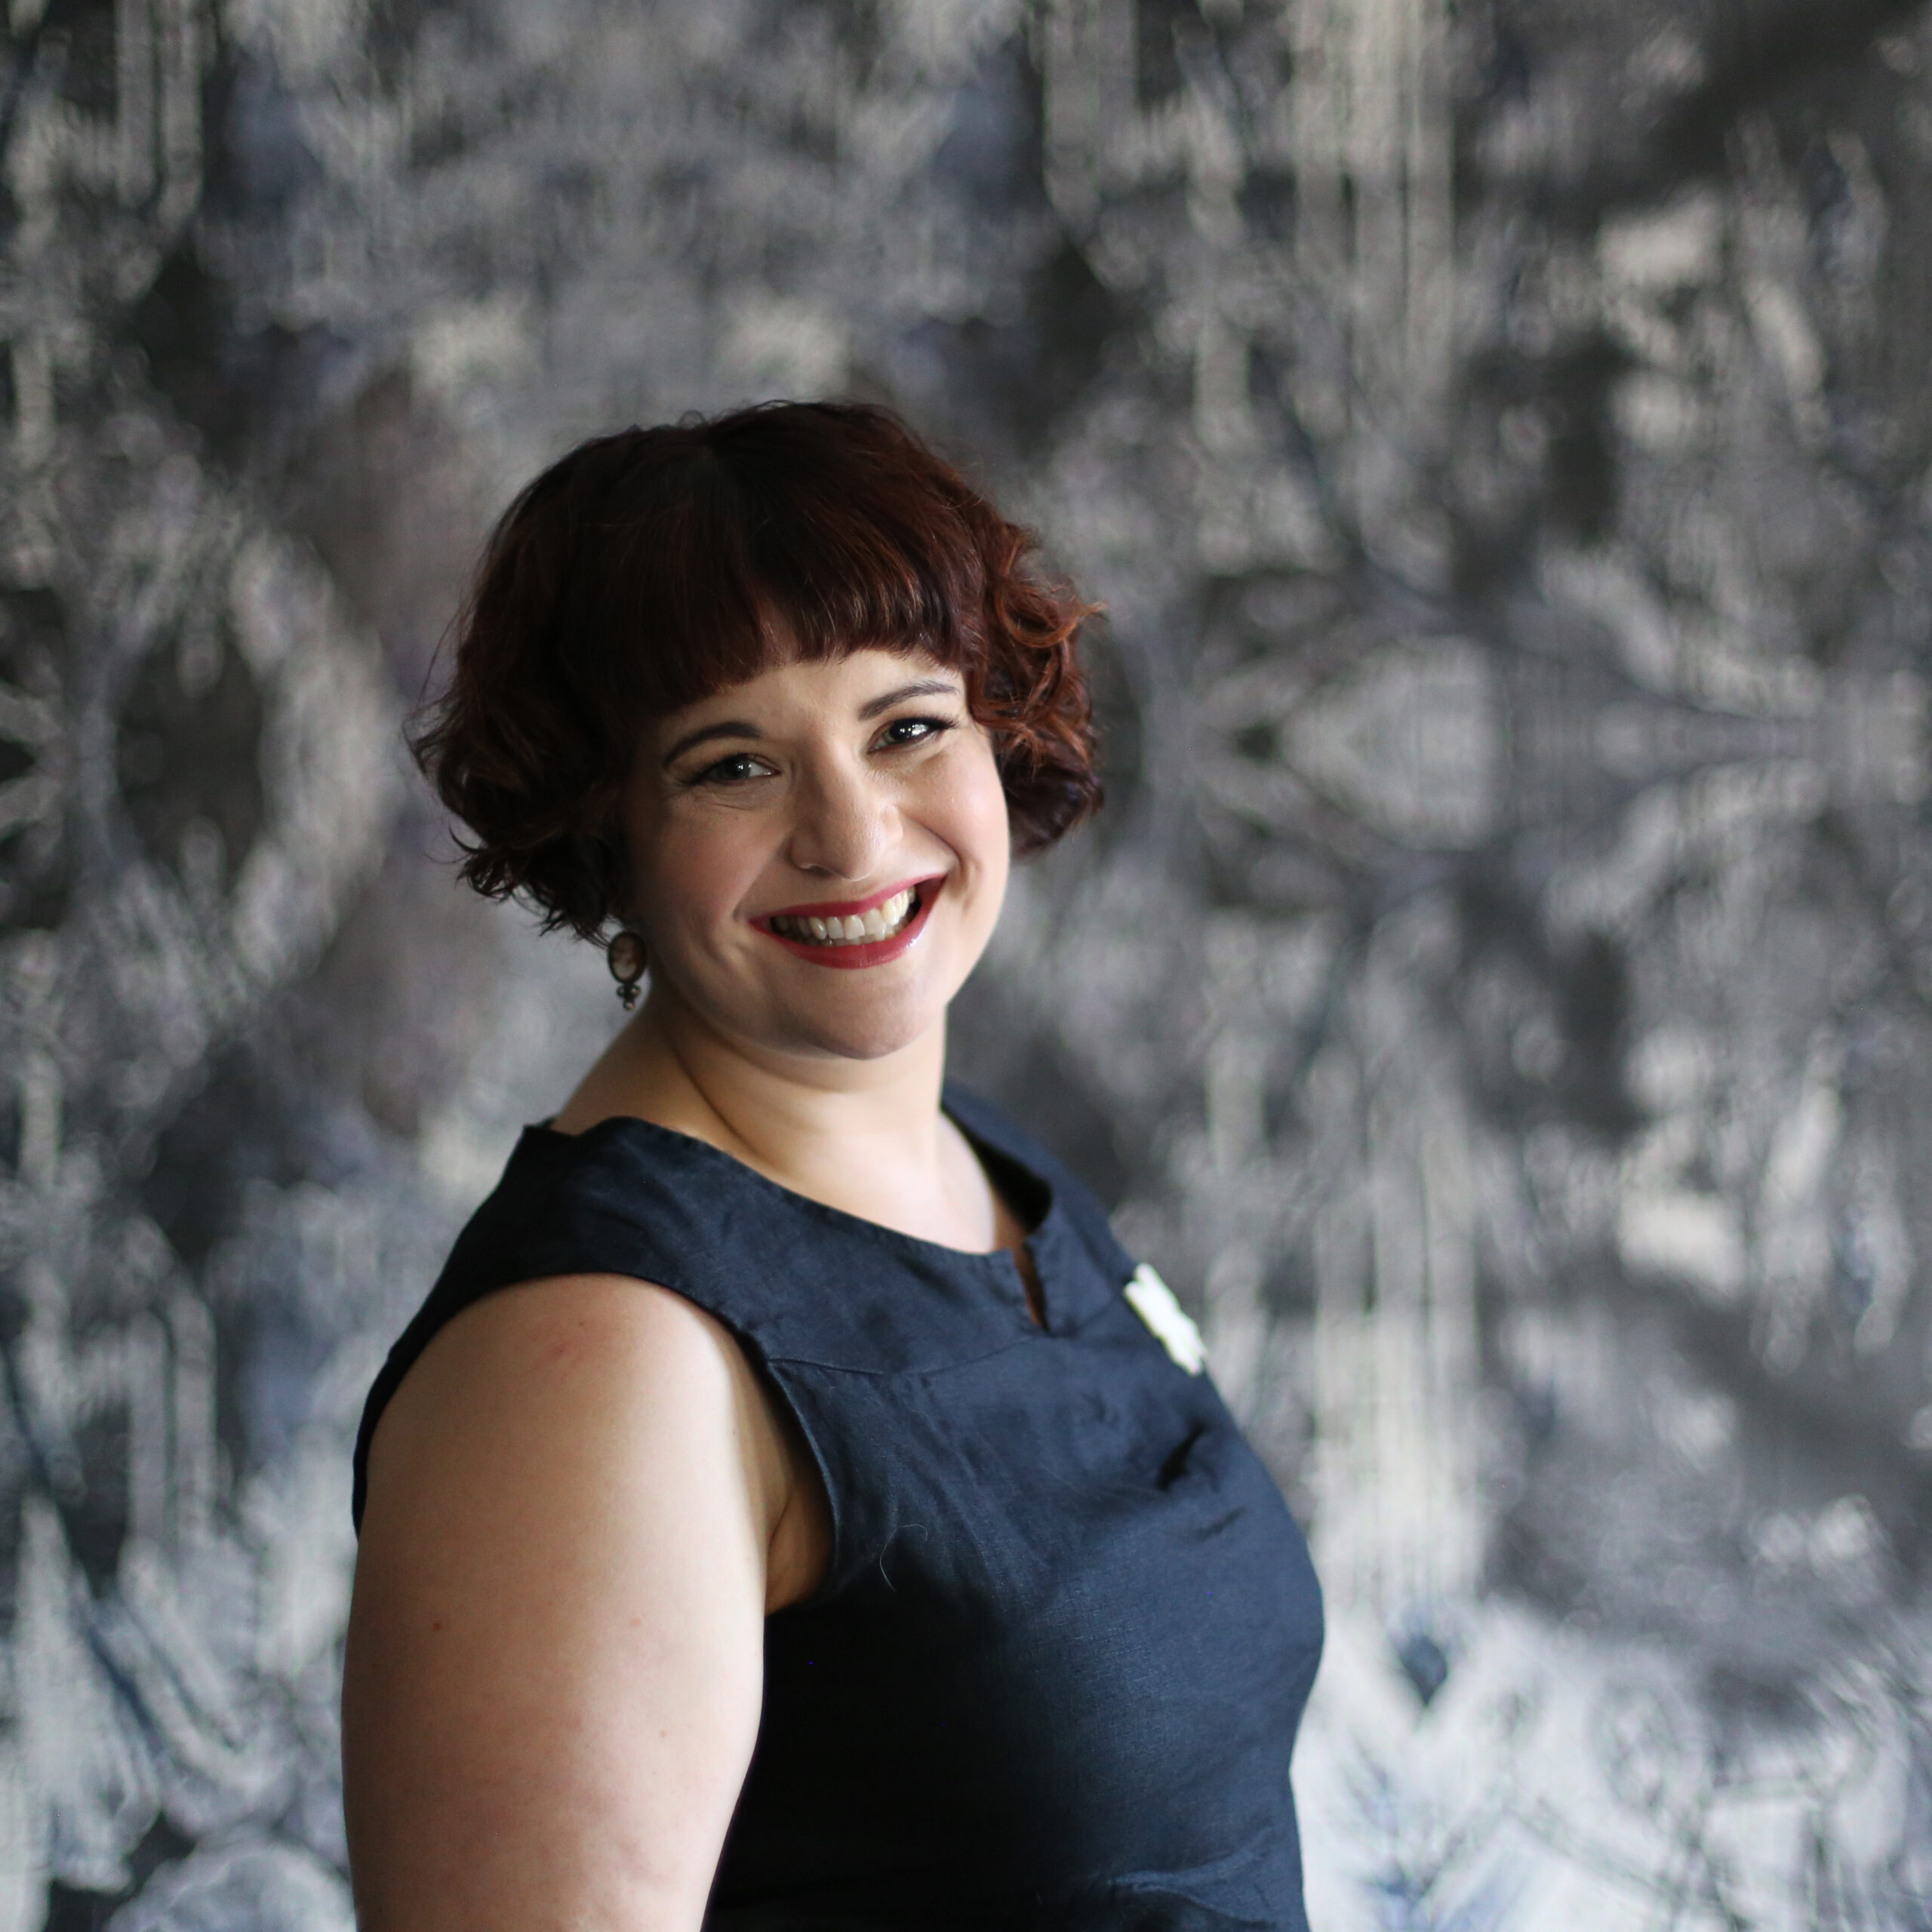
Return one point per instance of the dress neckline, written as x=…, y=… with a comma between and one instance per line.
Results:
x=1043, y=1228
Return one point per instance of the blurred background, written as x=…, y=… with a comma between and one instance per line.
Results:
x=1496, y=995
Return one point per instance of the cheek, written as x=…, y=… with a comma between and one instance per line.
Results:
x=974, y=806
x=692, y=872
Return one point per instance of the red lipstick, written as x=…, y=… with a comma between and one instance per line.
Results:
x=868, y=952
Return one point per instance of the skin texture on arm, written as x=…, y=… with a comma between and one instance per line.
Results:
x=580, y=1507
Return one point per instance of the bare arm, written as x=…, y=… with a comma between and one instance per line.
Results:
x=555, y=1659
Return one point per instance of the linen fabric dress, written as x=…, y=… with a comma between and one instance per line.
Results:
x=1052, y=1676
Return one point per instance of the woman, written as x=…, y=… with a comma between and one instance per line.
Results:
x=791, y=1508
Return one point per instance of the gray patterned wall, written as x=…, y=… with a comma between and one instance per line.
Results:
x=1496, y=996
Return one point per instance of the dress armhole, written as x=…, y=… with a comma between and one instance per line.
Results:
x=796, y=1427
x=774, y=1376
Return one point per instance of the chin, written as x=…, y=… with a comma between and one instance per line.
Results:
x=890, y=1027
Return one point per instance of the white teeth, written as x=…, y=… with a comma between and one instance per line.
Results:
x=850, y=928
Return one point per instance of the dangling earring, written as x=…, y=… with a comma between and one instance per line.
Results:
x=625, y=956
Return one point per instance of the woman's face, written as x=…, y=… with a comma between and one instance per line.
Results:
x=819, y=854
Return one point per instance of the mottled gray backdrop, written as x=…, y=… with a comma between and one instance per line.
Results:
x=1498, y=996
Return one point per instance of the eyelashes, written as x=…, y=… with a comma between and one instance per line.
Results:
x=722, y=773
x=929, y=729
x=739, y=768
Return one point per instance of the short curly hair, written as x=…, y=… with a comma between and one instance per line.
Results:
x=647, y=570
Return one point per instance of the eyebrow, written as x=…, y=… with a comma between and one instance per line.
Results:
x=737, y=727
x=920, y=688
x=730, y=728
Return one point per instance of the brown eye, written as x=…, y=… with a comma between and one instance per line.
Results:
x=736, y=770
x=913, y=730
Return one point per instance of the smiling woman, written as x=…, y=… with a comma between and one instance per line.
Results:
x=792, y=1507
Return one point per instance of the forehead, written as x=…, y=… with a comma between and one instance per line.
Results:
x=836, y=685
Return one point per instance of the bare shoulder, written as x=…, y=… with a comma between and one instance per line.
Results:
x=557, y=1394
x=532, y=1377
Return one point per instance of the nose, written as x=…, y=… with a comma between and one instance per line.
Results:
x=846, y=823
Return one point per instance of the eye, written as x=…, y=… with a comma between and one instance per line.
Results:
x=903, y=731
x=738, y=769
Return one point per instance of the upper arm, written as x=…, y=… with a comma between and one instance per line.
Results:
x=555, y=1661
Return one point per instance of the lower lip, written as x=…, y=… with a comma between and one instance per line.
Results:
x=868, y=953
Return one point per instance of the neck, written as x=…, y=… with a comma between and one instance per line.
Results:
x=808, y=1121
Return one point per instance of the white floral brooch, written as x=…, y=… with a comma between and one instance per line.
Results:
x=1154, y=1301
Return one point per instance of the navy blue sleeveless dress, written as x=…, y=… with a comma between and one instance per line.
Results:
x=1052, y=1676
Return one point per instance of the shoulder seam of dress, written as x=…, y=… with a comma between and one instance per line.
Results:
x=840, y=1219
x=927, y=1373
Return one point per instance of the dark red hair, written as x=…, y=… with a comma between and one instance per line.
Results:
x=647, y=570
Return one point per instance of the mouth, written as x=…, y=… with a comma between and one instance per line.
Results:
x=864, y=932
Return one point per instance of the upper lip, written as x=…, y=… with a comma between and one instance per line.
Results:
x=827, y=909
